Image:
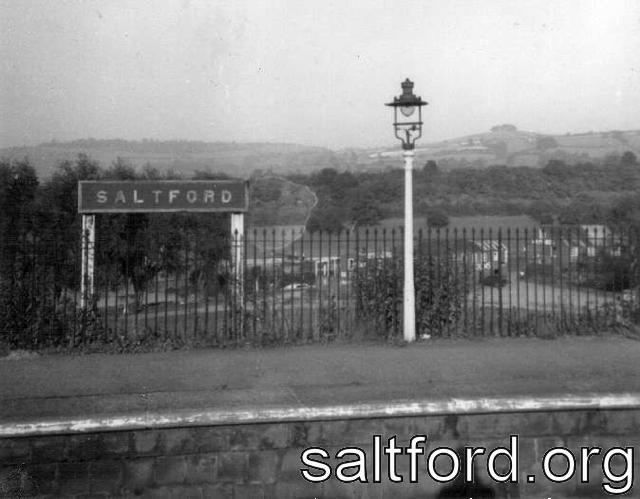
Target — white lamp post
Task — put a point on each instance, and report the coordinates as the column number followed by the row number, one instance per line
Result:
column 408, row 128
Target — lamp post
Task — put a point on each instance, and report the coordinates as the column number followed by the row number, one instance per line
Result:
column 408, row 128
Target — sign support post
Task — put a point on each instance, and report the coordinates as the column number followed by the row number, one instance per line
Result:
column 88, row 262
column 237, row 266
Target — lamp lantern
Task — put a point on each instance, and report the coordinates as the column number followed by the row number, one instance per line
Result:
column 407, row 126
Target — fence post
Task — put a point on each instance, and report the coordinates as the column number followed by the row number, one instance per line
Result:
column 87, row 266
column 237, row 267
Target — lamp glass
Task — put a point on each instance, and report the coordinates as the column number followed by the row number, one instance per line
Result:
column 407, row 110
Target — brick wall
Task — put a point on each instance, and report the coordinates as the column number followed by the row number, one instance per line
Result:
column 263, row 460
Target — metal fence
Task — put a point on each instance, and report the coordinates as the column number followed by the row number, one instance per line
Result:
column 296, row 286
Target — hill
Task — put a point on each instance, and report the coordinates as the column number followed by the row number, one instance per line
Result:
column 503, row 145
column 506, row 145
column 185, row 157
column 275, row 201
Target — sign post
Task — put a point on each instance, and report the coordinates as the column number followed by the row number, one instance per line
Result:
column 88, row 247
column 163, row 196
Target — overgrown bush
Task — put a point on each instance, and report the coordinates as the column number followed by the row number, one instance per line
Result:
column 439, row 290
column 613, row 272
column 436, row 218
column 31, row 318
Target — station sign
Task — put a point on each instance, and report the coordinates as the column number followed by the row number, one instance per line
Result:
column 162, row 196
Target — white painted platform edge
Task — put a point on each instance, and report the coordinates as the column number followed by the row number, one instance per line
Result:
column 250, row 415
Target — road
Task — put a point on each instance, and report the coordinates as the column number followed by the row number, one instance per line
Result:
column 531, row 295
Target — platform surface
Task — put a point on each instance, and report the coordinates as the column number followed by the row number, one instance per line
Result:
column 64, row 386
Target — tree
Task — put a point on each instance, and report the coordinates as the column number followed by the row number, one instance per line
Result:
column 366, row 211
column 628, row 159
column 625, row 210
column 504, row 128
column 436, row 218
column 557, row 168
column 430, row 168
column 57, row 216
column 265, row 190
column 329, row 219
column 18, row 185
column 546, row 142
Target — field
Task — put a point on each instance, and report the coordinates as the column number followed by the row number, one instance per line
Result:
column 520, row 148
column 513, row 148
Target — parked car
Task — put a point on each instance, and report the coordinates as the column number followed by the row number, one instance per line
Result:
column 494, row 280
column 296, row 286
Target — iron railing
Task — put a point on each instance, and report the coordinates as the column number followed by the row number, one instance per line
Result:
column 313, row 287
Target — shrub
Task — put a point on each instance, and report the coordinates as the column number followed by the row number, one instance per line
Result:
column 613, row 273
column 436, row 218
column 31, row 318
column 439, row 291
column 494, row 280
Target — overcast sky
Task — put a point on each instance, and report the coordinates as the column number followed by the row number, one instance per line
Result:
column 313, row 72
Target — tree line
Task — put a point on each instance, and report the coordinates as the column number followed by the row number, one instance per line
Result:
column 604, row 191
column 41, row 239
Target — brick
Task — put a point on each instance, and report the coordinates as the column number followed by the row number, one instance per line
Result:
column 43, row 478
column 178, row 441
column 92, row 496
column 48, row 449
column 115, row 443
column 210, row 439
column 249, row 491
column 83, row 447
column 233, row 467
column 616, row 422
column 544, row 444
column 605, row 442
column 269, row 491
column 73, row 478
column 264, row 466
column 218, row 490
column 501, row 425
column 187, row 492
column 405, row 428
column 307, row 434
column 146, row 442
column 290, row 465
column 105, row 476
column 15, row 481
column 360, row 432
column 570, row 423
column 138, row 475
column 262, row 436
column 14, row 450
column 545, row 488
column 299, row 489
column 334, row 432
column 201, row 468
column 159, row 493
column 536, row 424
column 335, row 489
column 170, row 470
column 591, row 489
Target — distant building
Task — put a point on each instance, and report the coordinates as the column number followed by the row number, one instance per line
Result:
column 486, row 254
column 570, row 243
